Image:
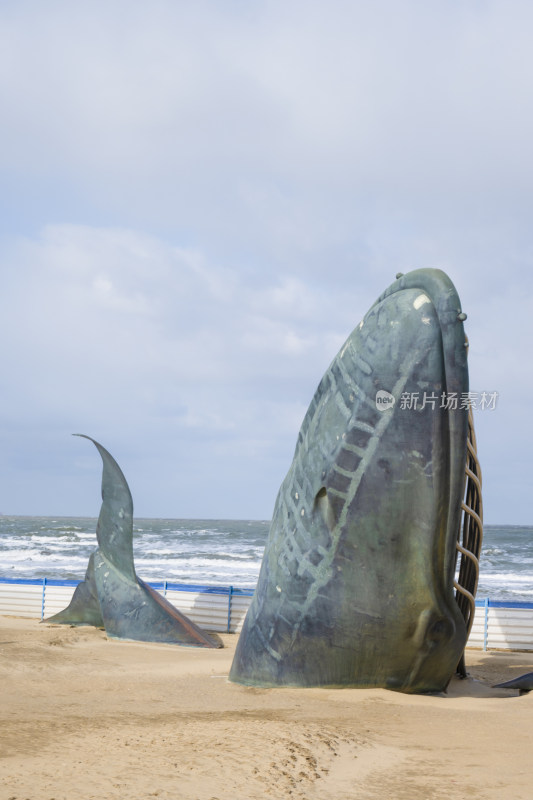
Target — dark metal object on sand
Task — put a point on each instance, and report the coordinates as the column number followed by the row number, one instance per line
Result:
column 524, row 684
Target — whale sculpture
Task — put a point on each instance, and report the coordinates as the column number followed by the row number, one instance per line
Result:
column 111, row 595
column 356, row 586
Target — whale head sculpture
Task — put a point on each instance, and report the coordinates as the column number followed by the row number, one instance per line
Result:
column 357, row 581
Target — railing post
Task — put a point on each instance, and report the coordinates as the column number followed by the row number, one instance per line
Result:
column 486, row 625
column 230, row 595
column 43, row 599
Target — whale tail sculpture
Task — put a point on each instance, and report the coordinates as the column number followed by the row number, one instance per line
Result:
column 357, row 585
column 111, row 595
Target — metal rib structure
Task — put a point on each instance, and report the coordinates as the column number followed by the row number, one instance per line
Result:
column 471, row 531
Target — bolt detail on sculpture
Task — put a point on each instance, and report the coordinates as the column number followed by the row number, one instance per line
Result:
column 112, row 595
column 357, row 584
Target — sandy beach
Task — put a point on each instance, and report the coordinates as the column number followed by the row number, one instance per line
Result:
column 85, row 717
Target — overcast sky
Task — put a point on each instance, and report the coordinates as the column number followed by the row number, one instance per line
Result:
column 199, row 202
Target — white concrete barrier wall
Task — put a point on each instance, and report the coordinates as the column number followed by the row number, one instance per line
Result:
column 477, row 634
column 56, row 599
column 496, row 626
column 510, row 628
column 21, row 600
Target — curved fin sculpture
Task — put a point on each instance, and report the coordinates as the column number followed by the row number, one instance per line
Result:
column 357, row 581
column 111, row 595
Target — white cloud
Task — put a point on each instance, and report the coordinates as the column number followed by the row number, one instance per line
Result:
column 129, row 338
column 170, row 103
column 201, row 200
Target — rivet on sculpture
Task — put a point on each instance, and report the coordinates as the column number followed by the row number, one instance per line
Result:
column 111, row 595
column 359, row 584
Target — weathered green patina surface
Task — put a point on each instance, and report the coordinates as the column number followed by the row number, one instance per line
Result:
column 111, row 595
column 356, row 584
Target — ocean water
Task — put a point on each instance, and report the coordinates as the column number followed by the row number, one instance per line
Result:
column 218, row 552
column 214, row 552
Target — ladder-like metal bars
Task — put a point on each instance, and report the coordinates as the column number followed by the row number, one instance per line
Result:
column 470, row 534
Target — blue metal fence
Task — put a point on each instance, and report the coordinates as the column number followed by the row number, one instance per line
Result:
column 498, row 624
column 231, row 592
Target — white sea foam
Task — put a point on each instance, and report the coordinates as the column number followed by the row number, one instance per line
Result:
column 507, row 578
column 217, row 552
